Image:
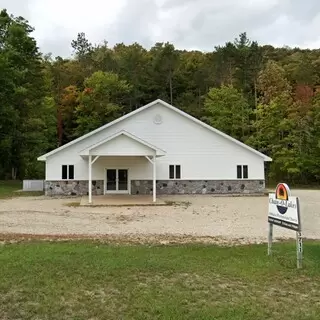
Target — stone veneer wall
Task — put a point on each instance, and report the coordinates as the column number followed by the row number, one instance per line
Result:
column 199, row 186
column 75, row 187
column 72, row 187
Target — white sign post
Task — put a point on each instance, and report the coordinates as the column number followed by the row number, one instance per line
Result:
column 284, row 211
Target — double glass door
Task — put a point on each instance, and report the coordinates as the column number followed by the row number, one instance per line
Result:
column 117, row 181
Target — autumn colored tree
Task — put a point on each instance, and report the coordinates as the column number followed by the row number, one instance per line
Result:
column 68, row 106
column 272, row 124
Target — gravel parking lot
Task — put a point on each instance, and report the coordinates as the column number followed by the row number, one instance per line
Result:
column 207, row 218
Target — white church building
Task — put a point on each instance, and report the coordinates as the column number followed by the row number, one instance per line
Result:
column 156, row 149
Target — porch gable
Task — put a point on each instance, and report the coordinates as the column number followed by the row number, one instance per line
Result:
column 122, row 144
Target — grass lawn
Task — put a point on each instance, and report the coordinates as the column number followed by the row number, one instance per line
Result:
column 9, row 189
column 92, row 280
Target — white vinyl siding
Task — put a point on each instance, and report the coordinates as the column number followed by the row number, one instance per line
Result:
column 122, row 146
column 202, row 154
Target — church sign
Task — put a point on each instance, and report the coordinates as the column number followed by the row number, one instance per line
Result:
column 284, row 208
column 284, row 211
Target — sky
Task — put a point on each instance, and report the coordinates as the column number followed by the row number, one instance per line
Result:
column 188, row 24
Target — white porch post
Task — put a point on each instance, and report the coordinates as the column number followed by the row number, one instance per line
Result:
column 90, row 179
column 154, row 166
column 154, row 179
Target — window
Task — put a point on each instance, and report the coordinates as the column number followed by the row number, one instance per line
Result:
column 64, row 172
column 71, row 172
column 242, row 172
column 178, row 172
column 68, row 172
column 239, row 172
column 174, row 172
column 245, row 172
column 171, row 172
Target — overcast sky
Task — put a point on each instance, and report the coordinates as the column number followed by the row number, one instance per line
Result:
column 189, row 24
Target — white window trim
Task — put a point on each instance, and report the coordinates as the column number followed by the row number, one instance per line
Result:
column 68, row 172
column 175, row 171
column 242, row 171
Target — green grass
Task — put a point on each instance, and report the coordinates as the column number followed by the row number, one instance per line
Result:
column 92, row 280
column 10, row 189
column 7, row 188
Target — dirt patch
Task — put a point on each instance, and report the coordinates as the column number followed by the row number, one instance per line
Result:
column 151, row 239
column 205, row 219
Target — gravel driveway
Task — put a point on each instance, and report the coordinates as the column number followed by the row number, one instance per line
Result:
column 232, row 219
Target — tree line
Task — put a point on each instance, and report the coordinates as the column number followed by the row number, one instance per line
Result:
column 264, row 96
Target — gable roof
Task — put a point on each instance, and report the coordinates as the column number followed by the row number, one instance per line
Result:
column 159, row 152
column 147, row 106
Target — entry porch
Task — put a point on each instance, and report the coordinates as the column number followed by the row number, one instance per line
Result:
column 115, row 162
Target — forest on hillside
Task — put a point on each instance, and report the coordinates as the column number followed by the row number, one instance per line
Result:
column 264, row 96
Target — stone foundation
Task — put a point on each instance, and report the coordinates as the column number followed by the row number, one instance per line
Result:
column 79, row 188
column 72, row 187
column 199, row 186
